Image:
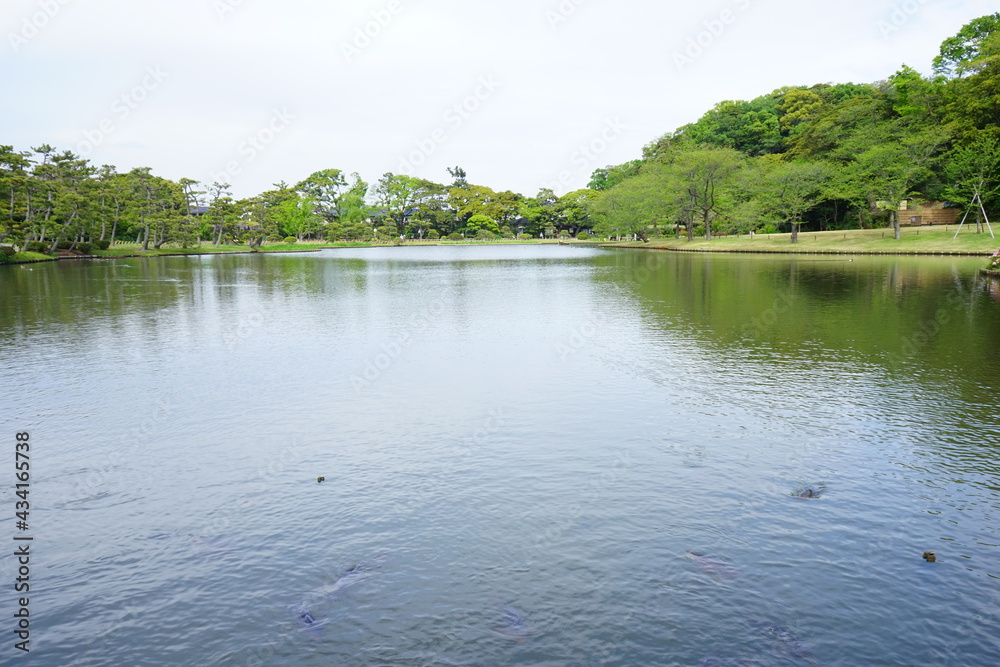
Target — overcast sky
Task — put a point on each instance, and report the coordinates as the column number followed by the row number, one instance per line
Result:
column 522, row 94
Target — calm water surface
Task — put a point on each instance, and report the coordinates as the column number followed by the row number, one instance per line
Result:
column 532, row 456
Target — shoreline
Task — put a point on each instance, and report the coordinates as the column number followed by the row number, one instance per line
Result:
column 671, row 245
column 897, row 253
column 148, row 255
column 914, row 241
column 276, row 251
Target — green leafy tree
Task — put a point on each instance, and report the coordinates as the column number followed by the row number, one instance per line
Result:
column 222, row 213
column 459, row 177
column 431, row 209
column 791, row 189
column 887, row 172
column 606, row 178
column 973, row 172
column 651, row 199
column 297, row 217
column 14, row 180
column 480, row 222
column 967, row 49
column 704, row 175
column 396, row 197
column 537, row 213
column 749, row 127
column 575, row 208
column 481, row 200
column 325, row 189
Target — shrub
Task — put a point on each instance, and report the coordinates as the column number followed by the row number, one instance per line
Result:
column 102, row 244
column 583, row 236
column 7, row 250
column 85, row 248
column 485, row 235
column 290, row 239
column 432, row 234
column 994, row 263
column 64, row 245
column 455, row 236
column 37, row 246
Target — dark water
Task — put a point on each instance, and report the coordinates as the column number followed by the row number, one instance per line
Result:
column 532, row 456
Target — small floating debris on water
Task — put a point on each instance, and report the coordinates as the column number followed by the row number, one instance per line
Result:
column 930, row 556
column 712, row 566
column 320, row 480
column 809, row 492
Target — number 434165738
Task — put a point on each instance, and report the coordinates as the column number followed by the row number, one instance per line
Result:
column 23, row 467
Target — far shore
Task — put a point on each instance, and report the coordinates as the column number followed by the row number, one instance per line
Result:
column 132, row 250
column 914, row 241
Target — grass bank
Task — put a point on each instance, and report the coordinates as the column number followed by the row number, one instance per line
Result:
column 26, row 258
column 915, row 240
column 123, row 250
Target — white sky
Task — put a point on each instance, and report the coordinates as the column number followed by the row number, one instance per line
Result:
column 181, row 85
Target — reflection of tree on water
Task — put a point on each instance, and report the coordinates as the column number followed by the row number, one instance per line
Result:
column 871, row 309
column 903, row 348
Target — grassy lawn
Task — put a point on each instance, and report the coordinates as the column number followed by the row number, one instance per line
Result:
column 125, row 249
column 20, row 257
column 932, row 240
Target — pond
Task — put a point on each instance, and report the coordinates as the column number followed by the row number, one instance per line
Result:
column 539, row 455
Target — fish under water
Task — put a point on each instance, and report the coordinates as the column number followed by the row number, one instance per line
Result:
column 809, row 492
column 787, row 643
column 355, row 574
column 515, row 627
column 712, row 566
column 305, row 618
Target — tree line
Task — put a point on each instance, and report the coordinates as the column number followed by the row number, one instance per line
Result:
column 829, row 156
column 57, row 199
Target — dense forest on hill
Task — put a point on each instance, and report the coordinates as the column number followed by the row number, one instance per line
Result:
column 828, row 156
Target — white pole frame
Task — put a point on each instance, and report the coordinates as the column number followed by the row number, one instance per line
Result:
column 979, row 200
